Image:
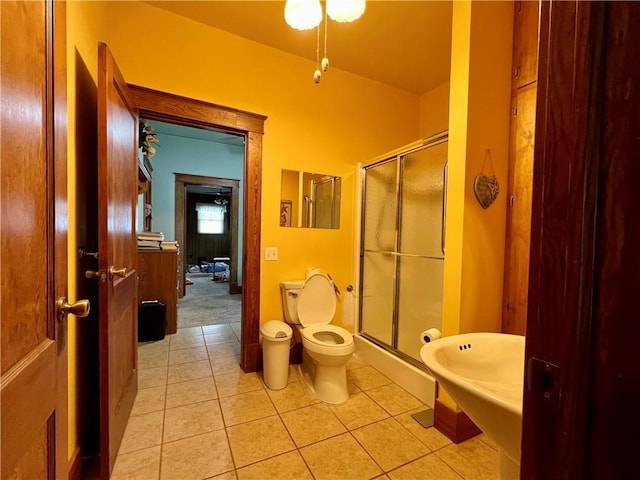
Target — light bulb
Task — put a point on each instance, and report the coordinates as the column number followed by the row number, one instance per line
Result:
column 345, row 10
column 303, row 14
column 317, row 75
column 325, row 64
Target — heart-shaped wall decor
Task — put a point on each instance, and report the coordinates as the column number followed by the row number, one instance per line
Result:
column 486, row 189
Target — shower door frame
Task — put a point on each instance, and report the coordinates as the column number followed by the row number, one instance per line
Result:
column 433, row 141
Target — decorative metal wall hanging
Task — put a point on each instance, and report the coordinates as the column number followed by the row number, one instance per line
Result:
column 486, row 187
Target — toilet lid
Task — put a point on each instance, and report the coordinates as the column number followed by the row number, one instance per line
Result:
column 316, row 301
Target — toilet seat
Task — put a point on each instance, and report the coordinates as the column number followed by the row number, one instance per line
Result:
column 316, row 301
column 338, row 341
column 316, row 307
column 343, row 336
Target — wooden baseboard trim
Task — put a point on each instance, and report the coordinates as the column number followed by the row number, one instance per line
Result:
column 251, row 358
column 454, row 424
column 75, row 466
column 295, row 354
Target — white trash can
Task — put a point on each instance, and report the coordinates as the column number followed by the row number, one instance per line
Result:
column 276, row 342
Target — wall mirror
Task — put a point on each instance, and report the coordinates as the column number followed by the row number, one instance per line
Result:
column 309, row 200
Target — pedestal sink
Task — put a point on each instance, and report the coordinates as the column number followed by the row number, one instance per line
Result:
column 484, row 374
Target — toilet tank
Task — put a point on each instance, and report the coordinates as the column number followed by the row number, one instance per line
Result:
column 289, row 295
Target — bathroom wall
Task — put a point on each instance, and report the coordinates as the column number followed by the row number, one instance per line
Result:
column 434, row 111
column 323, row 128
column 479, row 120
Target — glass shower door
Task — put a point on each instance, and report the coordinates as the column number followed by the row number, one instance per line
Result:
column 402, row 248
column 421, row 246
column 378, row 261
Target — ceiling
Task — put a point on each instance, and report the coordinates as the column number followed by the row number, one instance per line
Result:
column 405, row 44
column 164, row 128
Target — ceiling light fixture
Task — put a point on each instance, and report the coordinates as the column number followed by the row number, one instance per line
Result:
column 303, row 14
column 345, row 11
column 307, row 14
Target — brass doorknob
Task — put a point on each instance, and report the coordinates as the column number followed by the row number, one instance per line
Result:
column 120, row 272
column 80, row 309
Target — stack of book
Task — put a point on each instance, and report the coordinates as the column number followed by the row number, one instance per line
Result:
column 150, row 240
column 169, row 245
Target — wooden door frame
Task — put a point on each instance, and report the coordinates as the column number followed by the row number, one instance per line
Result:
column 183, row 180
column 61, row 228
column 167, row 107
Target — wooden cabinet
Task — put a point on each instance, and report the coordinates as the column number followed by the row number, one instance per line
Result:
column 158, row 273
column 516, row 282
column 525, row 43
column 519, row 188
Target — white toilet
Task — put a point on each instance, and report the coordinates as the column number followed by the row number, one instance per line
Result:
column 309, row 306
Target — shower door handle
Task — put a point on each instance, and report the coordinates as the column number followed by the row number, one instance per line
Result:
column 443, row 230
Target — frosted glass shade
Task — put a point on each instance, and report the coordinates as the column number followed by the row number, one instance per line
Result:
column 345, row 10
column 303, row 14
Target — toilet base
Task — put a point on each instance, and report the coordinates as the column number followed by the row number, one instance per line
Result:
column 328, row 383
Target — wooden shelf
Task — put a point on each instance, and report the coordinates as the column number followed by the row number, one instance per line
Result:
column 144, row 174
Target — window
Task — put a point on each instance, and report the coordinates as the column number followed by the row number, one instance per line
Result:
column 210, row 217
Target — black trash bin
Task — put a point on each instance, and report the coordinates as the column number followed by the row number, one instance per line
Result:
column 152, row 320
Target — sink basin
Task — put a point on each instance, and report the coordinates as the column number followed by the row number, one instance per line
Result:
column 484, row 374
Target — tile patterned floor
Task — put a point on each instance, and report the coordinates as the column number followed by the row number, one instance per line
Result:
column 198, row 416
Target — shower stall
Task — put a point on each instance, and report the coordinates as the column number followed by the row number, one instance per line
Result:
column 403, row 222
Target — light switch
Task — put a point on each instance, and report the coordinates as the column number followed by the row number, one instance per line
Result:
column 271, row 254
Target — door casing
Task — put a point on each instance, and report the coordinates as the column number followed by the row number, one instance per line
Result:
column 182, row 180
column 166, row 107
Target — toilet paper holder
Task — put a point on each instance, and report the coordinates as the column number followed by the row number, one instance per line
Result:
column 430, row 335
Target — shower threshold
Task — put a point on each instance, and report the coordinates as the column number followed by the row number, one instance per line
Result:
column 414, row 380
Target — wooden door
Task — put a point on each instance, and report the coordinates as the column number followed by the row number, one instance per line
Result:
column 580, row 418
column 117, row 197
column 33, row 256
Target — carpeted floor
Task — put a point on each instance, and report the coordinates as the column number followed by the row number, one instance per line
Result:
column 207, row 303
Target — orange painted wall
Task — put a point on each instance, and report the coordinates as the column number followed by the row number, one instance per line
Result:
column 434, row 111
column 479, row 120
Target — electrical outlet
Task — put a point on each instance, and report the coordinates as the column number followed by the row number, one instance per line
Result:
column 271, row 254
